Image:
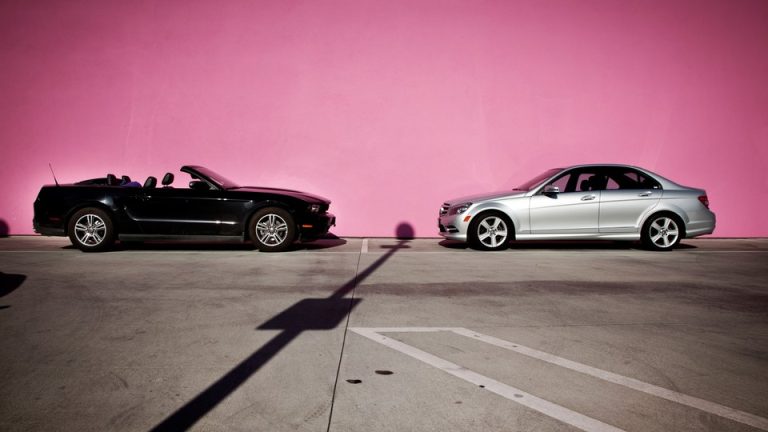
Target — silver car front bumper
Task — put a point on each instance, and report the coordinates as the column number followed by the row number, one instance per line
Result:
column 453, row 227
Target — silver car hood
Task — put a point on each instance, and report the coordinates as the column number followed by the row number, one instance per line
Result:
column 486, row 197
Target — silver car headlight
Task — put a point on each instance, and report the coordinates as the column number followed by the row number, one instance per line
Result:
column 462, row 208
column 314, row 208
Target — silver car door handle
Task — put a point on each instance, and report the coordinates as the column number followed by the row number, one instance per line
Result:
column 645, row 194
column 588, row 197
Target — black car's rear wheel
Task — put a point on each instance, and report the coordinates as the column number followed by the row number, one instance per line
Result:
column 91, row 230
column 272, row 229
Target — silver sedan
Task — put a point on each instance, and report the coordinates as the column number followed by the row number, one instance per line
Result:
column 589, row 202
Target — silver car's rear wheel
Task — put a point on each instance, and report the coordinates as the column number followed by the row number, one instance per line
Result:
column 489, row 232
column 662, row 232
column 272, row 229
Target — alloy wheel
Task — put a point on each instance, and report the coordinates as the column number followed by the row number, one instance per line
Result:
column 90, row 229
column 271, row 229
column 663, row 232
column 492, row 232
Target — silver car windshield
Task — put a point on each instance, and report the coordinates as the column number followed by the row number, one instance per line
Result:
column 536, row 181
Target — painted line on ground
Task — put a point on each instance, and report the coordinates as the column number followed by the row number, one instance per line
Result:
column 670, row 395
column 514, row 394
column 683, row 399
column 364, row 246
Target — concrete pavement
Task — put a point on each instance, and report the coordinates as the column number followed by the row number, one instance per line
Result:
column 221, row 337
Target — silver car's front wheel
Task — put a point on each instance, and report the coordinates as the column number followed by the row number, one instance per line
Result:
column 489, row 232
column 662, row 232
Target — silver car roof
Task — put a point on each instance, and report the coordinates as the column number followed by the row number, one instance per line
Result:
column 665, row 182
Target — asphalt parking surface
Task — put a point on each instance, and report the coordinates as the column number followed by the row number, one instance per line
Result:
column 384, row 335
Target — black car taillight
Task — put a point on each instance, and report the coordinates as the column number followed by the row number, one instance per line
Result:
column 704, row 200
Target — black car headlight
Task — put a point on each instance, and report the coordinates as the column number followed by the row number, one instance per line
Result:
column 314, row 208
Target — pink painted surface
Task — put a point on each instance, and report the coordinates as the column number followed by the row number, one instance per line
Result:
column 387, row 107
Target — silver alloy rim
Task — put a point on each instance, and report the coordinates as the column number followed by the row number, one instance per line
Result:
column 90, row 230
column 663, row 232
column 492, row 231
column 271, row 230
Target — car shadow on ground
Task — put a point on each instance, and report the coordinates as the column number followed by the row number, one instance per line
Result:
column 564, row 245
column 227, row 246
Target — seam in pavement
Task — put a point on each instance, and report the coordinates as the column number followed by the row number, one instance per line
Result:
column 344, row 341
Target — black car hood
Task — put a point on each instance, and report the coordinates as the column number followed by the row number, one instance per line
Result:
column 304, row 196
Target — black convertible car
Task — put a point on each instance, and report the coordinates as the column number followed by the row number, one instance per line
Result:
column 95, row 212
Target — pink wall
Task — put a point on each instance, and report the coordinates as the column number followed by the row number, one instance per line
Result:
column 386, row 107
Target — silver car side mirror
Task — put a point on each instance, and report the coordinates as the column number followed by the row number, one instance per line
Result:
column 551, row 189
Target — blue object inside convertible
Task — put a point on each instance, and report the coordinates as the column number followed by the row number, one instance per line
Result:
column 125, row 181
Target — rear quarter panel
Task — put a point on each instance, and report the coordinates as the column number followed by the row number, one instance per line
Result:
column 685, row 203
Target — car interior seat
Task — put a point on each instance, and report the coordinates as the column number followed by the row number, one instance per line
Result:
column 150, row 183
column 167, row 179
column 112, row 180
column 597, row 182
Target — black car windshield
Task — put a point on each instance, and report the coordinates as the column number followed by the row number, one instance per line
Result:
column 536, row 181
column 217, row 178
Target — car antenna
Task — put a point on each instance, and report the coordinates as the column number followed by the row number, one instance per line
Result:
column 52, row 173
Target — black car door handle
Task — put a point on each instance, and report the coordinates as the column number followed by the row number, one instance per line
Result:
column 145, row 197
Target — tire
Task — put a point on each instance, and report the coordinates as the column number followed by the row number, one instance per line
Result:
column 272, row 229
column 490, row 231
column 91, row 230
column 662, row 232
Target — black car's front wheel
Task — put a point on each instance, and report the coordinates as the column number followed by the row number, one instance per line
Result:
column 91, row 230
column 272, row 229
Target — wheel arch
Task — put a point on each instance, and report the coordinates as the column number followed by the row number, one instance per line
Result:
column 262, row 205
column 511, row 217
column 494, row 210
column 95, row 204
column 665, row 212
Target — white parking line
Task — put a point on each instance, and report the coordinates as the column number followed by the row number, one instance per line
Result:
column 364, row 246
column 693, row 402
column 514, row 394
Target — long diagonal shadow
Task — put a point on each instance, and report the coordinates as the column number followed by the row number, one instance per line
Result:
column 307, row 314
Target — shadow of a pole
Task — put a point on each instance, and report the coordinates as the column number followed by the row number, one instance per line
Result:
column 307, row 314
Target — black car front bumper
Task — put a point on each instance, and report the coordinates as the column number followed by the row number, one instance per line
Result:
column 316, row 225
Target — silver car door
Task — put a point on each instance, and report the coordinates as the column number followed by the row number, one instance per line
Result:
column 572, row 210
column 628, row 196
